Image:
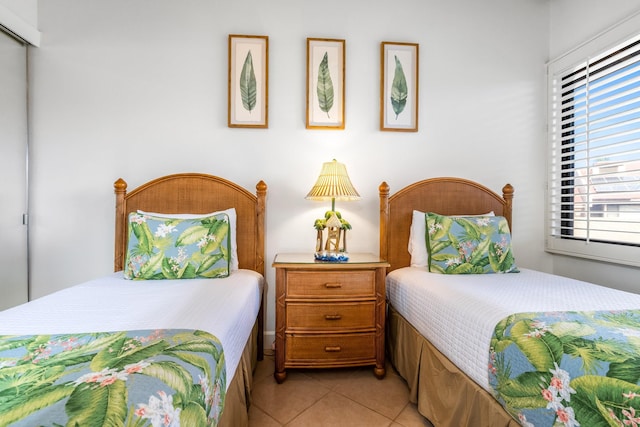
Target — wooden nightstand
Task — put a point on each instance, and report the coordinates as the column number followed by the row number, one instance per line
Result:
column 329, row 314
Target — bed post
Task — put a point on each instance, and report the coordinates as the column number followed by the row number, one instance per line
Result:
column 384, row 219
column 261, row 193
column 507, row 195
column 120, row 188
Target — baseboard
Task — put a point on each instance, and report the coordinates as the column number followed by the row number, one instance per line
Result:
column 269, row 340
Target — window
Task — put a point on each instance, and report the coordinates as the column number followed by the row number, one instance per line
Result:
column 594, row 164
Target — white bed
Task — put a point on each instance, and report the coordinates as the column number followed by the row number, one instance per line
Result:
column 225, row 307
column 224, row 315
column 550, row 348
column 458, row 313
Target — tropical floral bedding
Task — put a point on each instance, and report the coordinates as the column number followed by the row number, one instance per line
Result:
column 140, row 378
column 568, row 368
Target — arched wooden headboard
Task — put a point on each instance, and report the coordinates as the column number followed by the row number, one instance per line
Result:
column 446, row 196
column 196, row 193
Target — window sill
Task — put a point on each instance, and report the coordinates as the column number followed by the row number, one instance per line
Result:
column 615, row 254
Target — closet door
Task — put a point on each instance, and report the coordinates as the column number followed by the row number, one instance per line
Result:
column 13, row 170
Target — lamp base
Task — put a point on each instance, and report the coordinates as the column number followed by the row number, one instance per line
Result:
column 330, row 256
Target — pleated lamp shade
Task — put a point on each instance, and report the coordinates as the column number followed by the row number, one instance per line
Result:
column 333, row 184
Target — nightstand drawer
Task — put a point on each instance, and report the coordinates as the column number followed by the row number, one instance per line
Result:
column 306, row 316
column 330, row 347
column 330, row 284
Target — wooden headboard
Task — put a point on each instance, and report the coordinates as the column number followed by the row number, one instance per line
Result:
column 446, row 196
column 196, row 193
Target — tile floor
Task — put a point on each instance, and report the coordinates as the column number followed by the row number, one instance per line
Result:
column 332, row 397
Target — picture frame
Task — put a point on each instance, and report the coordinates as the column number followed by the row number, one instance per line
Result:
column 248, row 85
column 325, row 83
column 399, row 86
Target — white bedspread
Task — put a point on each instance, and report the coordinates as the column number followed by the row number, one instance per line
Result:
column 225, row 307
column 458, row 313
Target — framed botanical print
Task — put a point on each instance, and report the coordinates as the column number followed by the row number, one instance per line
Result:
column 399, row 87
column 325, row 83
column 248, row 97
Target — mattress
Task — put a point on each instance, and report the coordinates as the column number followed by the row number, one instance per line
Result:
column 458, row 313
column 225, row 307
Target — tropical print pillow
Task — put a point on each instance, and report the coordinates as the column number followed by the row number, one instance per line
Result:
column 469, row 245
column 175, row 248
column 232, row 223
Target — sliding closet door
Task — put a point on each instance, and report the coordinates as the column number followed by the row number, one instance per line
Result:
column 13, row 165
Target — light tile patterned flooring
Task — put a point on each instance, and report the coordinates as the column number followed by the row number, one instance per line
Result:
column 331, row 397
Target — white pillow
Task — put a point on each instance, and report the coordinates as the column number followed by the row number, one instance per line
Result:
column 231, row 213
column 417, row 242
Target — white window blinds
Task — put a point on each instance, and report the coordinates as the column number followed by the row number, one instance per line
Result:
column 594, row 167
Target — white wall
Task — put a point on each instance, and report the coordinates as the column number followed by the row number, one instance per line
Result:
column 20, row 17
column 27, row 10
column 137, row 89
column 572, row 23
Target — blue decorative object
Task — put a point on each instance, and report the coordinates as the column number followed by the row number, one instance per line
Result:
column 331, row 256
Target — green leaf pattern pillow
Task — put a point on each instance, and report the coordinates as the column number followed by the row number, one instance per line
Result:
column 469, row 245
column 174, row 248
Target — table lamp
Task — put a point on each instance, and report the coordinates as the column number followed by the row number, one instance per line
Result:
column 332, row 184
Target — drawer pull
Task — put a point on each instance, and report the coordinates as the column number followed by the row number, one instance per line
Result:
column 333, row 285
column 332, row 348
column 333, row 316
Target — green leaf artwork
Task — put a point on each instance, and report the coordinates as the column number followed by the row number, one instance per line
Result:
column 399, row 90
column 325, row 86
column 248, row 87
